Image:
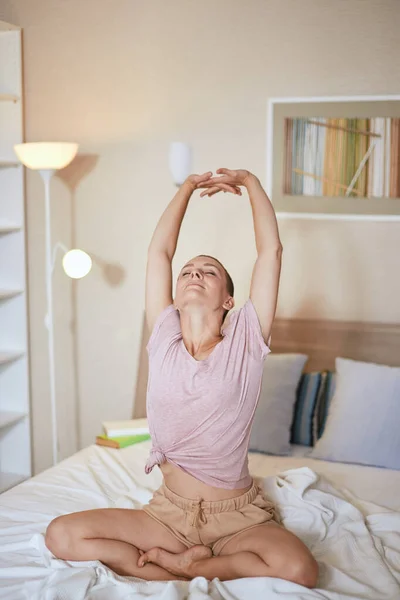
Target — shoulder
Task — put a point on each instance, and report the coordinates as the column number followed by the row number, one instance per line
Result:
column 166, row 327
column 244, row 325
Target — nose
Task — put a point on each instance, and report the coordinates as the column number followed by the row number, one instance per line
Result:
column 195, row 274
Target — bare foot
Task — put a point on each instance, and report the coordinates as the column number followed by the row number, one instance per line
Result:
column 177, row 564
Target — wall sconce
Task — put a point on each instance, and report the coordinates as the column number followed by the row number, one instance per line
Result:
column 180, row 162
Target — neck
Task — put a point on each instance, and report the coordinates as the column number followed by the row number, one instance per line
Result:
column 200, row 330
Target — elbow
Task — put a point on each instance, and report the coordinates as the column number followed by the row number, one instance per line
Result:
column 272, row 252
column 155, row 252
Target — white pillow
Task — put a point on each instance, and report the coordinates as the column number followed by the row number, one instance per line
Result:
column 273, row 418
column 363, row 424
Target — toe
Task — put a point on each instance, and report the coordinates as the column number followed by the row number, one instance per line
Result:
column 142, row 560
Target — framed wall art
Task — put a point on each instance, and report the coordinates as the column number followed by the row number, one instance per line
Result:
column 334, row 156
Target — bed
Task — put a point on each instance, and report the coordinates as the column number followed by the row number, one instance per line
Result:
column 100, row 477
column 348, row 514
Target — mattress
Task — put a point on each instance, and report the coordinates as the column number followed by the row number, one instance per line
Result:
column 361, row 501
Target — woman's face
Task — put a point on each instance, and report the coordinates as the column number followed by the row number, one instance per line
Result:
column 202, row 283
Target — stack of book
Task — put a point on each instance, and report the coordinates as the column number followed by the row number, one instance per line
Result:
column 120, row 434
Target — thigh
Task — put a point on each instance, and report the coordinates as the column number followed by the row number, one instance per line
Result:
column 126, row 525
column 271, row 542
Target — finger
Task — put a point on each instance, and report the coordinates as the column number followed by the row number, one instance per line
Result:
column 224, row 172
column 142, row 560
column 226, row 186
column 215, row 183
column 202, row 178
column 209, row 191
column 234, row 189
column 222, row 179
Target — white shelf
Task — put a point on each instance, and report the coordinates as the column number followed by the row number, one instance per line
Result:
column 9, row 98
column 8, row 418
column 8, row 357
column 9, row 480
column 7, row 294
column 15, row 422
column 6, row 227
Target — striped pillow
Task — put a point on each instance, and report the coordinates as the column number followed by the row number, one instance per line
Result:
column 327, row 390
column 307, row 396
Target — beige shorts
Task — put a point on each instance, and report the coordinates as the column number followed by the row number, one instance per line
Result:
column 211, row 523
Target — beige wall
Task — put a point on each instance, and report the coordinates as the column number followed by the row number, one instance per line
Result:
column 126, row 77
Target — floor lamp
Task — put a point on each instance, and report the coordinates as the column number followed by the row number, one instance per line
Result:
column 47, row 158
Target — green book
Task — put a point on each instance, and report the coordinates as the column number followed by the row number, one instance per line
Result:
column 121, row 441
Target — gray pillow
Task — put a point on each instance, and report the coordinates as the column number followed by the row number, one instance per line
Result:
column 273, row 418
column 363, row 421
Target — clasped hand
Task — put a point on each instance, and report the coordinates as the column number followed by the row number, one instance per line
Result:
column 227, row 181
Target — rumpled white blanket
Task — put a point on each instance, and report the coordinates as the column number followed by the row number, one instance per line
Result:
column 356, row 543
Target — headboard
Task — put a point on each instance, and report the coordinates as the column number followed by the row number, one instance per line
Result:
column 322, row 340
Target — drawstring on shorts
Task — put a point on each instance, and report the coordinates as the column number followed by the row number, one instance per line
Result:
column 199, row 514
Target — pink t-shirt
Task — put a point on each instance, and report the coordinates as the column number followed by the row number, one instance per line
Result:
column 200, row 412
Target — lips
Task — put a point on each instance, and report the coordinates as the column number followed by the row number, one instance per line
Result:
column 196, row 284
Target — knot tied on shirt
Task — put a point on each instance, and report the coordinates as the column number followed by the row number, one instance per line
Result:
column 156, row 457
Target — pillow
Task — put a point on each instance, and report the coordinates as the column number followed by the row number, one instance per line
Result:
column 302, row 431
column 324, row 399
column 364, row 416
column 271, row 426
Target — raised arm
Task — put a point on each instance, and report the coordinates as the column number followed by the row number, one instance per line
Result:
column 163, row 245
column 266, row 272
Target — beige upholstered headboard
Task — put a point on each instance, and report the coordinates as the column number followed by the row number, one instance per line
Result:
column 323, row 341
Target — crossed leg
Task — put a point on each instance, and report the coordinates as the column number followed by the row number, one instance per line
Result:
column 262, row 551
column 116, row 537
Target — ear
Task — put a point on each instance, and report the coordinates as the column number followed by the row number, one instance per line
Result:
column 229, row 303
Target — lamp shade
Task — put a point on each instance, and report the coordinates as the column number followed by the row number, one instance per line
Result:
column 180, row 161
column 76, row 263
column 46, row 155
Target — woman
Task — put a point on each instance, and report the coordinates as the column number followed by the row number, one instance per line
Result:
column 209, row 518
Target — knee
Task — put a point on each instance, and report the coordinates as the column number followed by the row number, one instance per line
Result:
column 58, row 538
column 303, row 570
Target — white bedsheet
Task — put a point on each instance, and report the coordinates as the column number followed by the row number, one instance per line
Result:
column 356, row 542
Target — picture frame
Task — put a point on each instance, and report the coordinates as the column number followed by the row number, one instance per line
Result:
column 280, row 112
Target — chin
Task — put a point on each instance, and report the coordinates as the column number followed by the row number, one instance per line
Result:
column 190, row 300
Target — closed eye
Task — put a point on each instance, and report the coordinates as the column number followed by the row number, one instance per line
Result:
column 210, row 273
column 185, row 273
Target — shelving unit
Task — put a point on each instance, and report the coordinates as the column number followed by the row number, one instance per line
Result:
column 15, row 443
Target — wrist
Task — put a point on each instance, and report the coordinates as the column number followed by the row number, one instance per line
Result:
column 250, row 179
column 188, row 186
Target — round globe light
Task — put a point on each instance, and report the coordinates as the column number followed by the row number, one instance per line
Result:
column 76, row 263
